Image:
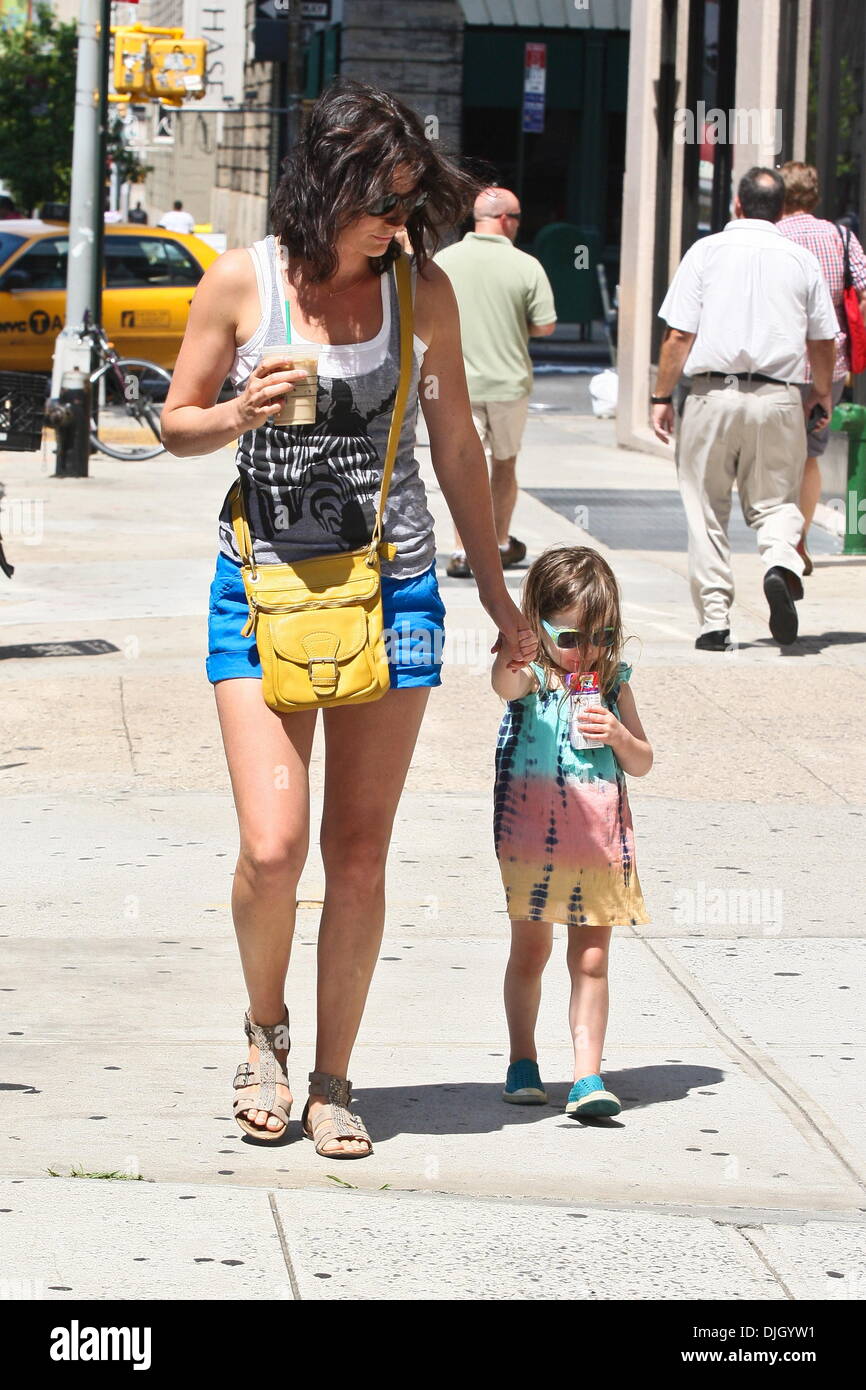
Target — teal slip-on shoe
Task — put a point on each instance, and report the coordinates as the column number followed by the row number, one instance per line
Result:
column 523, row 1084
column 588, row 1097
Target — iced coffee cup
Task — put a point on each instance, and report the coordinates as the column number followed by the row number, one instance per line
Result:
column 299, row 406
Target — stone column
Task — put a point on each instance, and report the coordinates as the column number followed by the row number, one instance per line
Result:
column 638, row 219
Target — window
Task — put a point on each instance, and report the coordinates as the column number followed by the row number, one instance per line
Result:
column 135, row 262
column 8, row 244
column 45, row 264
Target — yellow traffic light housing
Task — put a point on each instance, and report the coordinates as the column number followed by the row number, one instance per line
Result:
column 130, row 63
column 177, row 68
column 169, row 68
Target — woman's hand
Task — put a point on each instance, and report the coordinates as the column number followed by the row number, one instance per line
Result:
column 264, row 393
column 516, row 638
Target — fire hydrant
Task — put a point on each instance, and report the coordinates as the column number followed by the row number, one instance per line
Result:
column 70, row 417
column 851, row 420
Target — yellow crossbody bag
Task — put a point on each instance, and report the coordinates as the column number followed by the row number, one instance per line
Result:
column 318, row 623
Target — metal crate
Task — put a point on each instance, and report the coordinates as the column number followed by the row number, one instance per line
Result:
column 22, row 409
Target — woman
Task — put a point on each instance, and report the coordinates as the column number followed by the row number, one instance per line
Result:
column 362, row 171
column 827, row 243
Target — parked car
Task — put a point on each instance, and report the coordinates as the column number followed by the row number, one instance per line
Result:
column 150, row 276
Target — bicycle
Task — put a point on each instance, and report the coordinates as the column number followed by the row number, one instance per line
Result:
column 130, row 393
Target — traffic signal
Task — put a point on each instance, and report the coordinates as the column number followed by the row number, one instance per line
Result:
column 177, row 68
column 130, row 63
column 168, row 68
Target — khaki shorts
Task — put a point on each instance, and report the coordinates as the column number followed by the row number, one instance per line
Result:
column 500, row 425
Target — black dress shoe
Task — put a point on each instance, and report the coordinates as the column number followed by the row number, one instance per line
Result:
column 781, row 588
column 717, row 641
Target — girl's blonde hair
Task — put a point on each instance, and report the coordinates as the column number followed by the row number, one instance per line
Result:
column 575, row 577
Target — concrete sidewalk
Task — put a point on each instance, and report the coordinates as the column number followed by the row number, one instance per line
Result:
column 735, row 1041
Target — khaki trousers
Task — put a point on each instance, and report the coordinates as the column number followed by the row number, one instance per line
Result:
column 752, row 433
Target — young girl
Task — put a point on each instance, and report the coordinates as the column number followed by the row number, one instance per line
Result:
column 562, row 824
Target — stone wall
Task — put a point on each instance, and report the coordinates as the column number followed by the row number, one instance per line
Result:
column 185, row 169
column 414, row 50
column 246, row 159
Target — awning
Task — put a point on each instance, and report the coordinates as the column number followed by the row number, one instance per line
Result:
column 549, row 14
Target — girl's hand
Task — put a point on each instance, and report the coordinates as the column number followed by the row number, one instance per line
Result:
column 600, row 724
column 264, row 393
column 516, row 639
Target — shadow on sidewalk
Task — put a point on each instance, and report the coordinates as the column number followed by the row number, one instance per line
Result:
column 808, row 644
column 477, row 1107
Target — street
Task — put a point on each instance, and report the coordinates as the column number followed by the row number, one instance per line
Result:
column 738, row 1166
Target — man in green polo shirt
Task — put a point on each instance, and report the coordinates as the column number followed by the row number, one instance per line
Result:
column 504, row 298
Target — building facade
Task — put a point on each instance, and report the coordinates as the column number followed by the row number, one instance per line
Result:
column 649, row 114
column 715, row 86
column 460, row 64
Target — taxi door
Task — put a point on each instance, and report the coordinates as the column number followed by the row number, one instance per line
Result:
column 149, row 284
column 32, row 305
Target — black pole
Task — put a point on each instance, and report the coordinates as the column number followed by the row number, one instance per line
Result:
column 99, row 199
column 827, row 126
column 104, row 52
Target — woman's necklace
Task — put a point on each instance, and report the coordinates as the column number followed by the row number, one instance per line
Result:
column 332, row 294
column 346, row 288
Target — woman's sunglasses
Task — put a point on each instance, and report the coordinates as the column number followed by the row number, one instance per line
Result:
column 387, row 203
column 570, row 637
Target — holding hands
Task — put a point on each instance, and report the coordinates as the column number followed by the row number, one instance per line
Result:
column 516, row 637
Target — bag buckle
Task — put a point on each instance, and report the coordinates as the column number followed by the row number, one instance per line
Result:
column 327, row 661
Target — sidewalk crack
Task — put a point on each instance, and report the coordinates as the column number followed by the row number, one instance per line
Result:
column 713, row 1011
column 126, row 729
column 284, row 1246
column 741, row 1231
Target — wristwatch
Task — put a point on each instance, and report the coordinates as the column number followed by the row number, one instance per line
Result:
column 661, row 400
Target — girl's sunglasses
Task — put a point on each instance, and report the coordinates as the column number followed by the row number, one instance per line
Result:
column 570, row 637
column 389, row 201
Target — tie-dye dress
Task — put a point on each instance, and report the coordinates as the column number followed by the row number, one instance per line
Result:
column 562, row 826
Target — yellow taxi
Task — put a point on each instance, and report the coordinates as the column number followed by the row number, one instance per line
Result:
column 150, row 277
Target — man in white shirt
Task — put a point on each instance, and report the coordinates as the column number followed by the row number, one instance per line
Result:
column 743, row 310
column 177, row 220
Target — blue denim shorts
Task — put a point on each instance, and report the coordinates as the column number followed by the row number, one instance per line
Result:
column 413, row 617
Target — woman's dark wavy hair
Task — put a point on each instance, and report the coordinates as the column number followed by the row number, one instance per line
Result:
column 354, row 140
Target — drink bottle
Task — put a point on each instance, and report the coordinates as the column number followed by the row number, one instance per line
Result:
column 585, row 694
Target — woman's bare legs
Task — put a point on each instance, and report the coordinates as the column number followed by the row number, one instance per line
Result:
column 588, row 950
column 810, row 492
column 368, row 749
column 531, row 944
column 268, row 756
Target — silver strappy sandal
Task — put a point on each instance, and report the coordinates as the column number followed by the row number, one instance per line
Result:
column 340, row 1122
column 266, row 1076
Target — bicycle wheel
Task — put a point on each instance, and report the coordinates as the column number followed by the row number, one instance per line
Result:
column 131, row 396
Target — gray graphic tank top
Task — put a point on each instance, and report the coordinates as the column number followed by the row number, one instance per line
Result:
column 313, row 489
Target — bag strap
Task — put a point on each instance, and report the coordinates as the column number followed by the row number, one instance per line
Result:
column 240, row 524
column 847, row 277
column 404, row 297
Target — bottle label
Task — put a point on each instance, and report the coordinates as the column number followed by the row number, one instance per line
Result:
column 585, row 694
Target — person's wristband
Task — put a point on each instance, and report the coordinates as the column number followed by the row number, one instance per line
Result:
column 661, row 400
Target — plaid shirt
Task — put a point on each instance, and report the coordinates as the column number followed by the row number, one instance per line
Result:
column 824, row 240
